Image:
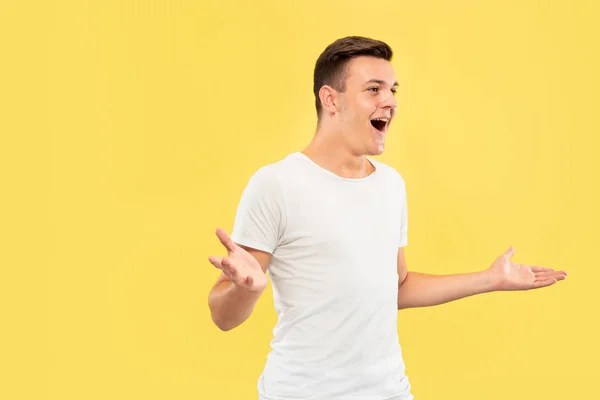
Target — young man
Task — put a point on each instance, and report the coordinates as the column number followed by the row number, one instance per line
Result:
column 329, row 224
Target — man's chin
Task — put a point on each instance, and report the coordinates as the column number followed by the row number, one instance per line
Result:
column 377, row 149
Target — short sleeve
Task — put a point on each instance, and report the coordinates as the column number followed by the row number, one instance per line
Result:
column 259, row 220
column 403, row 215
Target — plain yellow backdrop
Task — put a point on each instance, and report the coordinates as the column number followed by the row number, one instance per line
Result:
column 129, row 129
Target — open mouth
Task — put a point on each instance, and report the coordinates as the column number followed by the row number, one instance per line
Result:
column 379, row 123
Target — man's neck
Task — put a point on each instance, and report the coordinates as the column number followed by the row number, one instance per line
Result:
column 330, row 153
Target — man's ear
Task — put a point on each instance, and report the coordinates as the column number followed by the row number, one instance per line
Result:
column 329, row 98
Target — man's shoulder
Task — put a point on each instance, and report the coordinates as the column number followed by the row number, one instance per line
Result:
column 388, row 170
column 277, row 165
column 274, row 171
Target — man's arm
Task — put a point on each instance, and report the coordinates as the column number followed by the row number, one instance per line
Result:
column 422, row 290
column 241, row 283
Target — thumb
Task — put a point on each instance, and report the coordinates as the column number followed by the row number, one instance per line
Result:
column 510, row 252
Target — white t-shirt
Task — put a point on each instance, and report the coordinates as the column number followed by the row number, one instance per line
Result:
column 334, row 243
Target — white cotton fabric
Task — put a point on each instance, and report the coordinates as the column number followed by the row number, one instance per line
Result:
column 334, row 243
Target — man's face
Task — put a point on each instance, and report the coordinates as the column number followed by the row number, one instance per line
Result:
column 367, row 104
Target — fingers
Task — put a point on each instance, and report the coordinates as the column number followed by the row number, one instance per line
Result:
column 223, row 264
column 536, row 268
column 216, row 261
column 231, row 270
column 550, row 274
column 544, row 283
column 548, row 277
column 225, row 239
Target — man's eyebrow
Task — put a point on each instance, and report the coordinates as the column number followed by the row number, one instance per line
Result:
column 380, row 82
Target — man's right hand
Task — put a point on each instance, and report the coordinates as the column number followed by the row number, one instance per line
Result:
column 239, row 266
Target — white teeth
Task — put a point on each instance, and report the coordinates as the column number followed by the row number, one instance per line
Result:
column 381, row 119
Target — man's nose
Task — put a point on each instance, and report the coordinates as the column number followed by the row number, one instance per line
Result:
column 389, row 101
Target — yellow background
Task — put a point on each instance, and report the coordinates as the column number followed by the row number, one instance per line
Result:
column 129, row 129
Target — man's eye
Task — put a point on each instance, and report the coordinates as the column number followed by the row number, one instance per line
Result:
column 374, row 89
column 394, row 92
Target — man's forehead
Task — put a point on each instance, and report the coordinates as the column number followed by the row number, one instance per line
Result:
column 363, row 70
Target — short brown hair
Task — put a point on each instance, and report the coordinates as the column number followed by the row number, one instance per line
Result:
column 331, row 64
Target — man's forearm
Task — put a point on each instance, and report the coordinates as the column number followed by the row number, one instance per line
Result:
column 422, row 290
column 231, row 305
